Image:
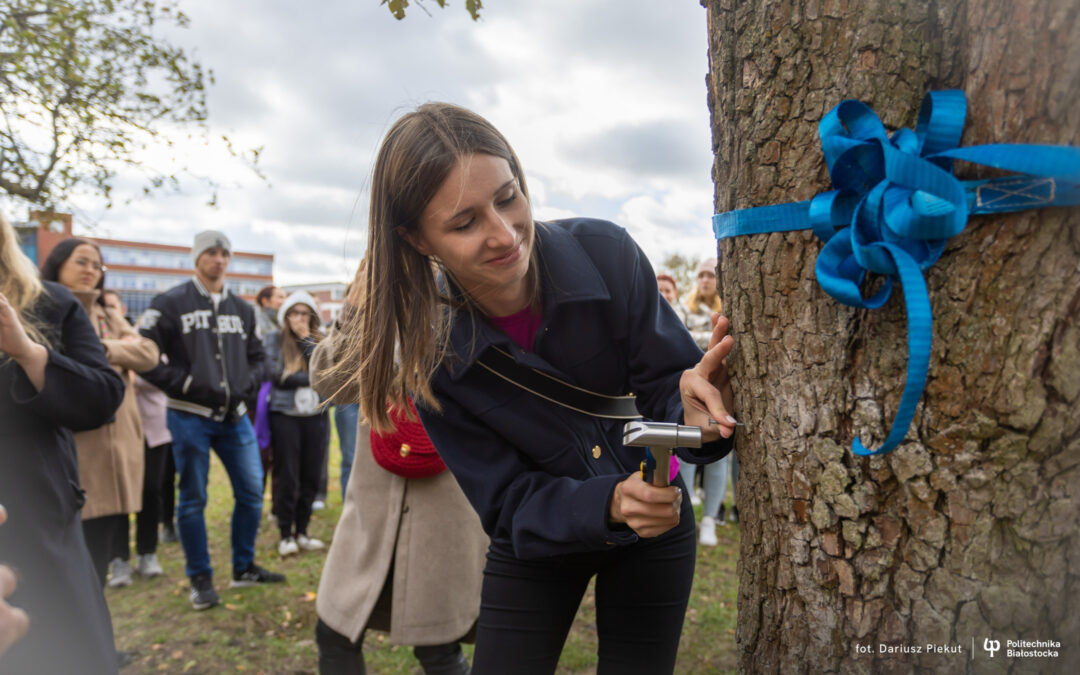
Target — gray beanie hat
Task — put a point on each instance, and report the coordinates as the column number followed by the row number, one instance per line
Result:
column 208, row 239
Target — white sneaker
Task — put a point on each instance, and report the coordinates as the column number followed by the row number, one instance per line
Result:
column 287, row 547
column 148, row 566
column 708, row 532
column 306, row 543
column 318, row 505
column 694, row 499
column 121, row 573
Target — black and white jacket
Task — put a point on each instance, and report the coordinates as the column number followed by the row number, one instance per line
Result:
column 215, row 359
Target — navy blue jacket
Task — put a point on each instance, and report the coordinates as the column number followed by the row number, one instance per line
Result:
column 541, row 476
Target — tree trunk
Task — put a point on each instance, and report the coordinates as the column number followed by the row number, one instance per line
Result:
column 969, row 530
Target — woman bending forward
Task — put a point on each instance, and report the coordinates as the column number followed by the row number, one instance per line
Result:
column 556, row 490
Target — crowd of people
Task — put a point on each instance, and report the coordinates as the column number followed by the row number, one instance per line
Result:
column 700, row 304
column 476, row 508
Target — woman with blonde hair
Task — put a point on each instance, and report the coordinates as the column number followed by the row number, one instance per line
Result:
column 556, row 490
column 702, row 302
column 54, row 379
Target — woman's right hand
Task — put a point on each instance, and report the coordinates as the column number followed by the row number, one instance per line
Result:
column 14, row 341
column 648, row 510
column 299, row 325
column 13, row 338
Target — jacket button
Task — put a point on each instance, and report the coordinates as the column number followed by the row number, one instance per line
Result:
column 405, row 450
column 405, row 509
column 596, row 452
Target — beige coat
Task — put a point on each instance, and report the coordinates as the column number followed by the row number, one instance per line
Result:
column 111, row 457
column 424, row 527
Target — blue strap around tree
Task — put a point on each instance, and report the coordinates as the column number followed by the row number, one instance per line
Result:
column 895, row 204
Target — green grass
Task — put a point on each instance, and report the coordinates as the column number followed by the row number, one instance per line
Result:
column 271, row 629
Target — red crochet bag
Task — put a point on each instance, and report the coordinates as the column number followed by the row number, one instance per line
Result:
column 407, row 451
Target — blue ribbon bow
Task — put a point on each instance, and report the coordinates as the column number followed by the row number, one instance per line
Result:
column 896, row 203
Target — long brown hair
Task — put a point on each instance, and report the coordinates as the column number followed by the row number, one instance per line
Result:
column 19, row 282
column 292, row 358
column 404, row 312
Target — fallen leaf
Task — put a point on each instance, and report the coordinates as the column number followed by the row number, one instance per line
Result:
column 305, row 643
column 309, row 596
column 177, row 655
column 189, row 665
column 229, row 606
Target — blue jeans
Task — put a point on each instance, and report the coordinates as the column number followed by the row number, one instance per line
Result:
column 734, row 471
column 716, row 475
column 345, row 419
column 235, row 445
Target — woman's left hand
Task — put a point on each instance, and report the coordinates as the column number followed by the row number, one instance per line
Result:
column 706, row 388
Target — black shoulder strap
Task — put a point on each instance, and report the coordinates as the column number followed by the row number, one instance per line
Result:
column 557, row 391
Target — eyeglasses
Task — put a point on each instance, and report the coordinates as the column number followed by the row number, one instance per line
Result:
column 93, row 264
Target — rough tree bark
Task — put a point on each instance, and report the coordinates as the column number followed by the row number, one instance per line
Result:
column 969, row 530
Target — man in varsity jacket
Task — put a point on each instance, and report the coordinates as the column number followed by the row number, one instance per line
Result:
column 215, row 362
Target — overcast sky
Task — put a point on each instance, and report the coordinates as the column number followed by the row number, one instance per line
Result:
column 604, row 101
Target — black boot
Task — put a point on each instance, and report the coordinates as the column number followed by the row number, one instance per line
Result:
column 445, row 659
column 337, row 654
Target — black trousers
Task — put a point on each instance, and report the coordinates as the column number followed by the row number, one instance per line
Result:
column 324, row 473
column 168, row 489
column 340, row 656
column 105, row 536
column 642, row 590
column 298, row 455
column 146, row 521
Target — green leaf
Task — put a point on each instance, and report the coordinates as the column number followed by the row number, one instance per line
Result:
column 396, row 7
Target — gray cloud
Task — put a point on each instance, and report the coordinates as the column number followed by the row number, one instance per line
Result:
column 318, row 87
column 659, row 148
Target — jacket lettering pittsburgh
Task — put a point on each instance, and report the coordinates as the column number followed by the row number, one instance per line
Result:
column 215, row 359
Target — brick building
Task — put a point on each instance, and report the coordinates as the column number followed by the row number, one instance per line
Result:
column 141, row 270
